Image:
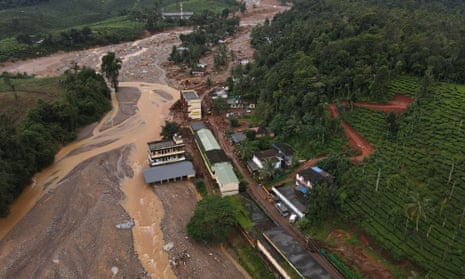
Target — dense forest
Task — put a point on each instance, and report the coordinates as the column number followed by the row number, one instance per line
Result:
column 321, row 51
column 8, row 4
column 409, row 194
column 30, row 146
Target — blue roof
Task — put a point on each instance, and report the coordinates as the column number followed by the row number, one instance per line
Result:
column 317, row 169
column 302, row 189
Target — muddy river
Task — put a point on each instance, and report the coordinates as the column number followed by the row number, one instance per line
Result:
column 148, row 102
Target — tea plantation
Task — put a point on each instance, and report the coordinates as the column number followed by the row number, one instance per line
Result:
column 412, row 189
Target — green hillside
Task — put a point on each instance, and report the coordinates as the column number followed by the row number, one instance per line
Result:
column 55, row 15
column 409, row 196
column 417, row 176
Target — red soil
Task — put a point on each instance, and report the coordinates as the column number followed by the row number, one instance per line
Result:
column 398, row 104
column 358, row 254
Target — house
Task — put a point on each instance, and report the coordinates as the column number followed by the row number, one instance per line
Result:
column 311, row 176
column 244, row 61
column 237, row 137
column 226, row 178
column 166, row 151
column 237, row 103
column 177, row 15
column 260, row 158
column 285, row 151
column 191, row 104
column 261, row 132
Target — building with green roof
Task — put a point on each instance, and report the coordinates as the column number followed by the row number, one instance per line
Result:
column 226, row 178
column 216, row 160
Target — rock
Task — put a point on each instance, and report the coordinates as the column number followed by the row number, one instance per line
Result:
column 125, row 226
column 168, row 246
column 114, row 270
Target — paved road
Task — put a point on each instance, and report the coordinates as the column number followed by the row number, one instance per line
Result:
column 260, row 198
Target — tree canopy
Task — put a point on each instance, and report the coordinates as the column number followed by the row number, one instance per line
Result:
column 214, row 218
column 110, row 68
column 169, row 129
column 31, row 146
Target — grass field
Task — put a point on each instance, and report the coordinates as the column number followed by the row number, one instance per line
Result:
column 27, row 92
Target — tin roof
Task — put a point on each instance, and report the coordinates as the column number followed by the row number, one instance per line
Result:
column 168, row 171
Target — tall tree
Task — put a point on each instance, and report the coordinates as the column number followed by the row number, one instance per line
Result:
column 268, row 171
column 214, row 217
column 169, row 129
column 415, row 209
column 110, row 68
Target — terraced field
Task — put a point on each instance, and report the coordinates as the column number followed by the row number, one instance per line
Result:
column 412, row 189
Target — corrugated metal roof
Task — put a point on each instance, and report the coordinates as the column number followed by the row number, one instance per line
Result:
column 225, row 173
column 197, row 125
column 291, row 249
column 208, row 140
column 169, row 171
column 238, row 137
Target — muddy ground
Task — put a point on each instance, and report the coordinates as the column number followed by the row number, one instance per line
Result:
column 64, row 226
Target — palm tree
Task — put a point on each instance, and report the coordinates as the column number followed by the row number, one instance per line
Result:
column 244, row 150
column 268, row 171
column 415, row 209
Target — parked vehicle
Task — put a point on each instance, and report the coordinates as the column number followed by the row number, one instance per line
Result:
column 283, row 210
column 292, row 218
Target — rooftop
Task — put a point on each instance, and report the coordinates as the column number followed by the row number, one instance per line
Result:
column 161, row 144
column 284, row 148
column 169, row 171
column 238, row 137
column 269, row 154
column 314, row 174
column 197, row 125
column 216, row 156
column 190, row 94
column 225, row 173
column 207, row 139
column 295, row 254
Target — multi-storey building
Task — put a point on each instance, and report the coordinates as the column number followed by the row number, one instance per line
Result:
column 191, row 104
column 166, row 151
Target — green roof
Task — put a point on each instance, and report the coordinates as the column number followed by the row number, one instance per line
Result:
column 207, row 139
column 225, row 173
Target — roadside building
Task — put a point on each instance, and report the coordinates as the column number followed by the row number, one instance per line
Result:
column 191, row 104
column 285, row 151
column 226, row 178
column 238, row 137
column 169, row 172
column 261, row 132
column 166, row 151
column 286, row 194
column 293, row 253
column 215, row 159
column 261, row 157
column 311, row 176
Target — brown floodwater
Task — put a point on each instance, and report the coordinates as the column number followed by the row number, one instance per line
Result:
column 145, row 125
column 141, row 203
